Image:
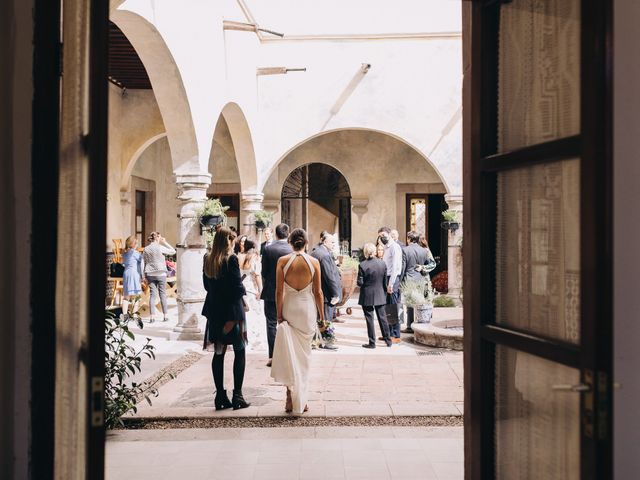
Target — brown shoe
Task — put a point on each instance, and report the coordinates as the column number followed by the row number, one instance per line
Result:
column 396, row 340
column 269, row 363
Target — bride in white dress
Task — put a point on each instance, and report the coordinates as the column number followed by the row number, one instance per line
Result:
column 299, row 302
column 250, row 267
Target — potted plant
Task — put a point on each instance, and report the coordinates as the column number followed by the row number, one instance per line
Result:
column 262, row 219
column 418, row 294
column 211, row 213
column 450, row 220
column 349, row 277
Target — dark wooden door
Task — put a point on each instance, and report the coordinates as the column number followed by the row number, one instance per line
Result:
column 537, row 181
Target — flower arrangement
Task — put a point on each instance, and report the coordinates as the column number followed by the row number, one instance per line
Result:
column 327, row 330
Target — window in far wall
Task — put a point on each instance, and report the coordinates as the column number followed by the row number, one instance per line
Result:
column 417, row 214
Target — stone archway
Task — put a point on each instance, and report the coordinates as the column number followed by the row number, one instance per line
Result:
column 167, row 84
column 317, row 197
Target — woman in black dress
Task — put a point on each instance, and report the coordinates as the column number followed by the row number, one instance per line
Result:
column 224, row 310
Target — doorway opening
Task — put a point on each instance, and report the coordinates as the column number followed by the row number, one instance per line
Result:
column 317, row 197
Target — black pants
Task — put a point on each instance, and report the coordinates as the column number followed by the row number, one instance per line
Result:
column 271, row 314
column 217, row 367
column 329, row 312
column 410, row 314
column 382, row 322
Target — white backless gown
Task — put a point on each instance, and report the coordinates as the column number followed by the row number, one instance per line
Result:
column 292, row 349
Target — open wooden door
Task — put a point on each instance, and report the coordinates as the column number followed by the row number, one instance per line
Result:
column 537, row 182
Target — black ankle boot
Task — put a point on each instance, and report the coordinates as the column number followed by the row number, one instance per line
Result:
column 238, row 400
column 222, row 401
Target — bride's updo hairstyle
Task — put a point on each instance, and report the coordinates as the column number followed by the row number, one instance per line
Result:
column 298, row 239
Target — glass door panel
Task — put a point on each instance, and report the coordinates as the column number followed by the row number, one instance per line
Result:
column 538, row 249
column 537, row 429
column 538, row 72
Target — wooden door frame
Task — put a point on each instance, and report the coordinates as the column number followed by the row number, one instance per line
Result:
column 594, row 147
column 407, row 210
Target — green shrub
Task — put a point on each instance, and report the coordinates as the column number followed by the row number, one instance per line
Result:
column 349, row 263
column 416, row 292
column 122, row 360
column 443, row 301
column 450, row 215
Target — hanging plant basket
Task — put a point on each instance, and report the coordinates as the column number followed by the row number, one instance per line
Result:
column 453, row 226
column 262, row 219
column 211, row 220
column 261, row 224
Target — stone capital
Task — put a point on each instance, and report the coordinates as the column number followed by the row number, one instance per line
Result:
column 251, row 201
column 454, row 202
column 271, row 205
column 359, row 205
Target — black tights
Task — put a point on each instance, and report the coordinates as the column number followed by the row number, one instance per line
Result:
column 217, row 367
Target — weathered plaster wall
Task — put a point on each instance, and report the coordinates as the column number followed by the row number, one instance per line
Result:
column 134, row 119
column 375, row 166
column 413, row 89
column 155, row 164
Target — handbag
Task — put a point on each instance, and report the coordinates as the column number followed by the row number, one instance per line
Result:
column 116, row 270
column 392, row 313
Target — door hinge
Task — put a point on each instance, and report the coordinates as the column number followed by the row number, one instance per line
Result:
column 588, row 406
column 97, row 401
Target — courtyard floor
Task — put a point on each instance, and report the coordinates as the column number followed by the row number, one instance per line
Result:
column 401, row 382
column 406, row 379
column 323, row 453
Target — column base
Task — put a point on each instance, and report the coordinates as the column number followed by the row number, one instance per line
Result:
column 189, row 318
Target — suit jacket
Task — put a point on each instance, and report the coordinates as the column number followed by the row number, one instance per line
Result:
column 414, row 255
column 272, row 254
column 372, row 280
column 263, row 245
column 330, row 279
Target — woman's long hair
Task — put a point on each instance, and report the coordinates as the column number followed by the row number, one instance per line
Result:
column 251, row 253
column 219, row 252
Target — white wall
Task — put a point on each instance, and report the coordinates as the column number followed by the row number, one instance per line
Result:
column 626, row 239
column 413, row 89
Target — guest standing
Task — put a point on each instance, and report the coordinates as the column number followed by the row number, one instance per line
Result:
column 250, row 268
column 238, row 246
column 396, row 238
column 393, row 260
column 132, row 275
column 415, row 255
column 268, row 240
column 331, row 282
column 224, row 310
column 155, row 272
column 372, row 280
column 272, row 253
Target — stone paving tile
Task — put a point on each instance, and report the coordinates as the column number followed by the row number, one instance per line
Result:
column 351, row 381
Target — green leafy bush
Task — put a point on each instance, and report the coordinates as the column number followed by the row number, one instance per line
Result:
column 450, row 215
column 348, row 264
column 416, row 292
column 123, row 360
column 443, row 301
column 263, row 217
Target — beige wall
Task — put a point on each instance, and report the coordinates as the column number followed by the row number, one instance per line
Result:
column 134, row 121
column 155, row 164
column 375, row 165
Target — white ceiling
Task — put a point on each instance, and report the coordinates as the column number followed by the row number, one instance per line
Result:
column 356, row 17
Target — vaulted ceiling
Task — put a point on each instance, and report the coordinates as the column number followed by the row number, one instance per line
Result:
column 125, row 67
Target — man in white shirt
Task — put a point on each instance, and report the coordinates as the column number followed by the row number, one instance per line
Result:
column 393, row 260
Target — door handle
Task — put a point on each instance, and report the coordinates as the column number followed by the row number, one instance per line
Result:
column 565, row 387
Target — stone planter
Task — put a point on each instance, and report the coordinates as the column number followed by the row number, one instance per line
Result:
column 422, row 313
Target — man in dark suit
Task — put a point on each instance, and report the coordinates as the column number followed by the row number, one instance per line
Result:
column 268, row 240
column 414, row 255
column 372, row 280
column 272, row 254
column 331, row 282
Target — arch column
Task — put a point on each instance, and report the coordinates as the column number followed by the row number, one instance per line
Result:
column 191, row 248
column 455, row 249
column 250, row 202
